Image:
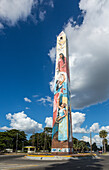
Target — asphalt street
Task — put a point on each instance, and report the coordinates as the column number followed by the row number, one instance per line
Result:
column 21, row 163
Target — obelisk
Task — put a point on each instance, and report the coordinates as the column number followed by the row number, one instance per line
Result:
column 62, row 122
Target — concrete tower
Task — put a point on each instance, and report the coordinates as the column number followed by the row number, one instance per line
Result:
column 62, row 125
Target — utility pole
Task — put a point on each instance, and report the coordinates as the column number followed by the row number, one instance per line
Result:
column 77, row 145
column 33, row 137
column 22, row 146
column 90, row 142
column 45, row 142
column 16, row 142
column 37, row 141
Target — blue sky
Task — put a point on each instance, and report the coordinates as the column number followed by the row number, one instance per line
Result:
column 27, row 51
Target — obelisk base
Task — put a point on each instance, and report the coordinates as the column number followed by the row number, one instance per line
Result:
column 61, row 147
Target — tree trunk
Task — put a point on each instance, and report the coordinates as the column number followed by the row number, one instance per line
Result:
column 104, row 146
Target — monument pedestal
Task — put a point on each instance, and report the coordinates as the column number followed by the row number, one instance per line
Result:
column 61, row 147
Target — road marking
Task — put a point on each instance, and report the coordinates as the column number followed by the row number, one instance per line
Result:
column 18, row 166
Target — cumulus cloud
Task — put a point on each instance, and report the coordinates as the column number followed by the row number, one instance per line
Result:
column 96, row 139
column 15, row 10
column 45, row 100
column 105, row 128
column 52, row 54
column 48, row 121
column 19, row 10
column 94, row 128
column 27, row 100
column 77, row 120
column 22, row 122
column 86, row 139
column 89, row 54
column 5, row 128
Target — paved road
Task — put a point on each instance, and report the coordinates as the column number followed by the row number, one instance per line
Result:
column 20, row 163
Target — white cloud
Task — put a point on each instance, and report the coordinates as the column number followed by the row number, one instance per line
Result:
column 52, row 54
column 48, row 121
column 52, row 83
column 105, row 128
column 9, row 116
column 15, row 10
column 46, row 99
column 12, row 11
column 77, row 121
column 42, row 15
column 96, row 139
column 22, row 122
column 5, row 128
column 86, row 139
column 95, row 128
column 89, row 54
column 27, row 108
column 27, row 100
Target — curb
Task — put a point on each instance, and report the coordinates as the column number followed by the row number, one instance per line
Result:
column 46, row 157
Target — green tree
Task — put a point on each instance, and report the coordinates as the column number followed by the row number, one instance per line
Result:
column 80, row 146
column 75, row 144
column 8, row 139
column 42, row 140
column 94, row 147
column 103, row 134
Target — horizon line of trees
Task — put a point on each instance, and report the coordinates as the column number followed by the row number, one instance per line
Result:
column 16, row 140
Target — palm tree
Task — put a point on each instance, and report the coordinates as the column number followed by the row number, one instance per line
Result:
column 103, row 134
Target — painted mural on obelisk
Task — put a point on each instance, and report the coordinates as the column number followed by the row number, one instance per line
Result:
column 62, row 125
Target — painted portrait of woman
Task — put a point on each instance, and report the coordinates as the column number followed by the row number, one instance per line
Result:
column 60, row 124
column 62, row 131
column 62, row 65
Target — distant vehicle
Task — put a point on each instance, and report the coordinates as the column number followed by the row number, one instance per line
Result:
column 9, row 150
column 87, row 152
column 29, row 149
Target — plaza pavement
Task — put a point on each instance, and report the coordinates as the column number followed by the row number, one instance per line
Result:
column 21, row 163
